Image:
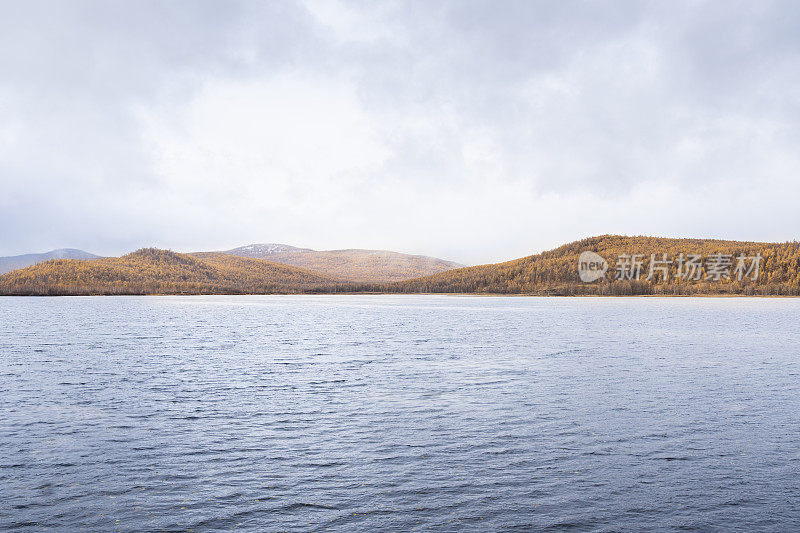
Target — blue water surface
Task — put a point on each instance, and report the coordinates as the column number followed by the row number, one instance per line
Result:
column 399, row 413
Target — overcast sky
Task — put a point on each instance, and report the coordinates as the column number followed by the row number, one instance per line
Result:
column 473, row 131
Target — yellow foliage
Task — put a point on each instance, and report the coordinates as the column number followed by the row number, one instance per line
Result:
column 556, row 271
column 371, row 266
column 153, row 271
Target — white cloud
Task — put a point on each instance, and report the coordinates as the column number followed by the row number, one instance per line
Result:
column 468, row 130
column 278, row 139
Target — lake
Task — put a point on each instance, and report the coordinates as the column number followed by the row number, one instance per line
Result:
column 399, row 413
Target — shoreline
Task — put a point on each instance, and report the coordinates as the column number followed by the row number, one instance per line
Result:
column 453, row 294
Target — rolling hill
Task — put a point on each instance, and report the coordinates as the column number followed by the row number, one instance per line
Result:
column 373, row 266
column 7, row 264
column 153, row 271
column 555, row 272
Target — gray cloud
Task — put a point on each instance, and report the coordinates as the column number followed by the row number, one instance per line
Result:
column 473, row 130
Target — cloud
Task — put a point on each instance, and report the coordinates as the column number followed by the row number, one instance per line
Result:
column 463, row 129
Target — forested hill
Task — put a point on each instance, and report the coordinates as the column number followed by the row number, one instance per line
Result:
column 556, row 271
column 153, row 271
column 630, row 266
column 376, row 266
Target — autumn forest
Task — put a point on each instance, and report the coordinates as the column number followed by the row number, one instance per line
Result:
column 635, row 266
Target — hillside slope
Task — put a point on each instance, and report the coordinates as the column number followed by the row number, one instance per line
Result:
column 556, row 271
column 7, row 264
column 153, row 271
column 374, row 266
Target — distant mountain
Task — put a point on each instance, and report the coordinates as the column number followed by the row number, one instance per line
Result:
column 153, row 271
column 373, row 266
column 555, row 272
column 261, row 251
column 7, row 264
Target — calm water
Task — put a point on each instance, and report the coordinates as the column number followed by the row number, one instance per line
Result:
column 399, row 413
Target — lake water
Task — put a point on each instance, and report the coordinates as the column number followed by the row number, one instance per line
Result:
column 399, row 413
